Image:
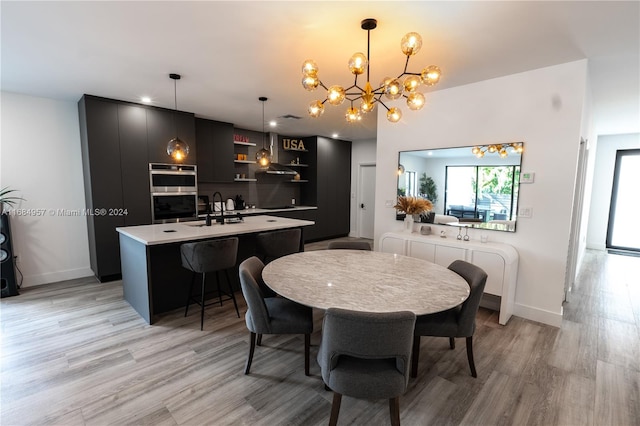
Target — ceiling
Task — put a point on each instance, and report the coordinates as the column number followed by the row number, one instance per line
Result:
column 230, row 53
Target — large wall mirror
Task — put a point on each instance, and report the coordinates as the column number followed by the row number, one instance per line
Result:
column 468, row 186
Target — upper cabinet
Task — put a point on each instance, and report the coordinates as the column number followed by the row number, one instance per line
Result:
column 119, row 140
column 215, row 151
column 164, row 125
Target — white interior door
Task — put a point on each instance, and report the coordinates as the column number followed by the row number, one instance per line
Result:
column 366, row 200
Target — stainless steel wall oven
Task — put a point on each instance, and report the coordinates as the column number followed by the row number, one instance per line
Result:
column 174, row 192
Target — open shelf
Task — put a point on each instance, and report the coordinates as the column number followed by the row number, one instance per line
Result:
column 296, row 165
column 245, row 180
column 244, row 161
column 244, row 143
column 299, row 180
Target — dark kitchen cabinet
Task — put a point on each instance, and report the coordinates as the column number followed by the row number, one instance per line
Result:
column 132, row 125
column 310, row 233
column 119, row 140
column 215, row 151
column 329, row 186
column 334, row 186
column 164, row 125
column 100, row 143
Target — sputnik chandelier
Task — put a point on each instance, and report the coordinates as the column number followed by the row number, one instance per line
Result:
column 392, row 88
column 500, row 148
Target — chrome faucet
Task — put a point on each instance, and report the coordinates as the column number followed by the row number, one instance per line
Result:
column 213, row 201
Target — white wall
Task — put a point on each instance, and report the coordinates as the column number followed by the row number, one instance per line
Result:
column 605, row 160
column 362, row 152
column 544, row 109
column 40, row 156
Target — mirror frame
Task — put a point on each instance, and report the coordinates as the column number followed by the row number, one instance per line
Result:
column 456, row 156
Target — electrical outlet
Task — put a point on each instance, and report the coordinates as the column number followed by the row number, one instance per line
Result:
column 293, row 201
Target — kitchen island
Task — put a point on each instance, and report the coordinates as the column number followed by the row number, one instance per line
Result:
column 153, row 278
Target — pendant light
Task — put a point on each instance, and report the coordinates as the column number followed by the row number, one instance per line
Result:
column 176, row 148
column 369, row 95
column 263, row 156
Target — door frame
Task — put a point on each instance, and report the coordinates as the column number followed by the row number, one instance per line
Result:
column 359, row 199
column 614, row 199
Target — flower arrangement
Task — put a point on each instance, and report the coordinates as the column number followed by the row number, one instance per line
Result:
column 413, row 205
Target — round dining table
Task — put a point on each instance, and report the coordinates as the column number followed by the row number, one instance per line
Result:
column 361, row 280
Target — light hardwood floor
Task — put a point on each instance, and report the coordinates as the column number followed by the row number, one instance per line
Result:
column 75, row 353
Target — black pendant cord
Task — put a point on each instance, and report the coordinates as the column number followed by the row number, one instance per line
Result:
column 175, row 107
column 175, row 77
column 368, row 53
column 263, row 99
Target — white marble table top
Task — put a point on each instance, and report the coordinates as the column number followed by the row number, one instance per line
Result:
column 365, row 281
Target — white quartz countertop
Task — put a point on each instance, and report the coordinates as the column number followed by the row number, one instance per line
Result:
column 245, row 212
column 166, row 233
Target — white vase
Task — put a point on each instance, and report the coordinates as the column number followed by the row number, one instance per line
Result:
column 408, row 223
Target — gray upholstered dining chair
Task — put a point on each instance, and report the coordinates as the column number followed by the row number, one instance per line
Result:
column 274, row 244
column 456, row 322
column 350, row 245
column 271, row 315
column 366, row 355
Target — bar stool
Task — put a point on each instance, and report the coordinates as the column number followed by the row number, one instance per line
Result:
column 210, row 256
column 274, row 244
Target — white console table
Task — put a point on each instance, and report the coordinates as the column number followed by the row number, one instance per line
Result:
column 499, row 261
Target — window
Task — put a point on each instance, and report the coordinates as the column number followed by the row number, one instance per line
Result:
column 485, row 193
column 411, row 184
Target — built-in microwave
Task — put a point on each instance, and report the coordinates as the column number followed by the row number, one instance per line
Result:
column 174, row 192
column 173, row 178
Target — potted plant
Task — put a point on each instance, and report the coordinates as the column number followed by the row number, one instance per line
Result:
column 8, row 200
column 428, row 188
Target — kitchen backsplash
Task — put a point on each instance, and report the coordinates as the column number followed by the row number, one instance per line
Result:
column 269, row 191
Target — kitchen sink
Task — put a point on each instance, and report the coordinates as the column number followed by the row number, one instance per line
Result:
column 279, row 207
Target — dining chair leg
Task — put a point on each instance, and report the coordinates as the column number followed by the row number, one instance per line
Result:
column 193, row 280
column 415, row 356
column 252, row 347
column 452, row 342
column 204, row 279
column 307, row 344
column 233, row 295
column 472, row 365
column 259, row 341
column 335, row 409
column 394, row 411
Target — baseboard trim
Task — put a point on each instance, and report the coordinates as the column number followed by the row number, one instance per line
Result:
column 53, row 277
column 553, row 319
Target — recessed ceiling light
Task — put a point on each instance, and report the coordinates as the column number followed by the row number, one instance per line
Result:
column 146, row 99
column 335, row 135
column 273, row 123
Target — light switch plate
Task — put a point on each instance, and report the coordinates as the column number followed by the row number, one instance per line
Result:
column 527, row 177
column 525, row 212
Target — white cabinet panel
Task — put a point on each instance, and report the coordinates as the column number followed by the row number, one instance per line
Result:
column 499, row 261
column 445, row 255
column 421, row 250
column 392, row 244
column 493, row 265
